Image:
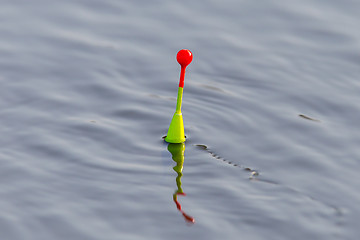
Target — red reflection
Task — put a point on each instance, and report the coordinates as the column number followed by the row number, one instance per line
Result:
column 187, row 217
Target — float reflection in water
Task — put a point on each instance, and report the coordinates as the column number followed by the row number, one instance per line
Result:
column 177, row 151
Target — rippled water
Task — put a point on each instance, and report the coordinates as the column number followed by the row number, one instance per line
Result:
column 88, row 90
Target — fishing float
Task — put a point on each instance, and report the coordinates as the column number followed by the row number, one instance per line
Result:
column 176, row 133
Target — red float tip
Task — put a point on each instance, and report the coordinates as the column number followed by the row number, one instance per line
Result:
column 184, row 57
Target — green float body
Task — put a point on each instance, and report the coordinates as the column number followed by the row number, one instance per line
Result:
column 176, row 130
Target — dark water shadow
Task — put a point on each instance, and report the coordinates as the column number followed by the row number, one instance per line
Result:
column 308, row 118
column 255, row 177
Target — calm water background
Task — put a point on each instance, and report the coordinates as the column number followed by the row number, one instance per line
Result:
column 88, row 89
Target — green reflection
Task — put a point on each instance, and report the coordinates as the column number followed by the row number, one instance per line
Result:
column 177, row 151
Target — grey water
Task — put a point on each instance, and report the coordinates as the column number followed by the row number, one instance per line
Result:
column 271, row 110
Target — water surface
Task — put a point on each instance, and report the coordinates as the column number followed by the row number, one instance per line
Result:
column 88, row 90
